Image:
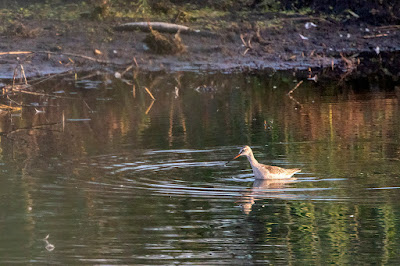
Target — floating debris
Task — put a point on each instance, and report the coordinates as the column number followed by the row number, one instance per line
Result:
column 88, row 84
column 309, row 25
column 50, row 247
column 315, row 78
column 77, row 119
column 205, row 88
column 104, row 99
column 97, row 52
column 303, row 37
column 353, row 13
column 377, row 50
column 39, row 111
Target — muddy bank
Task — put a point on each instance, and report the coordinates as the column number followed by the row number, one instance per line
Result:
column 291, row 42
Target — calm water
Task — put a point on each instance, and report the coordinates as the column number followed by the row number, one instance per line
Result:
column 124, row 180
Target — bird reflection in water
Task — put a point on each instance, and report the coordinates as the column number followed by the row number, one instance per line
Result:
column 262, row 189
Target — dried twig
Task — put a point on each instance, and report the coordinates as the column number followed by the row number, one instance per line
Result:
column 16, row 52
column 388, row 27
column 149, row 108
column 9, row 108
column 36, row 81
column 130, row 67
column 38, row 127
column 350, row 63
column 87, row 105
column 307, row 18
column 136, row 63
column 246, row 44
column 22, row 88
column 23, row 74
column 298, row 104
column 67, row 54
column 375, row 36
column 17, row 103
column 148, row 91
column 127, row 69
column 80, row 56
column 158, row 26
column 63, row 121
column 295, row 87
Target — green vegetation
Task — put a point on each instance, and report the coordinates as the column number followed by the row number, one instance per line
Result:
column 209, row 15
column 61, row 10
column 47, row 10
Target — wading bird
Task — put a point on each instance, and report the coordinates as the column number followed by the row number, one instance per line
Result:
column 262, row 171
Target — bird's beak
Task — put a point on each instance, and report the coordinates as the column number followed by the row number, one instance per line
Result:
column 234, row 158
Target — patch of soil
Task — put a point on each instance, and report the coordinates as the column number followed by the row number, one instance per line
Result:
column 20, row 30
column 240, row 45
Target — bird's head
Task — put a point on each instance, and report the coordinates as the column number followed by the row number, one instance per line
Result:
column 245, row 151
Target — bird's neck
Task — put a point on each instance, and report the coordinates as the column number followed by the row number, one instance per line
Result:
column 252, row 160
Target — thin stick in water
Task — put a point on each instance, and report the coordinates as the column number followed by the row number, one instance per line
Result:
column 63, row 121
column 148, row 91
column 23, row 74
column 149, row 108
column 295, row 87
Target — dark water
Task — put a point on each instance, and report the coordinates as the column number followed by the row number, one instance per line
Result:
column 124, row 180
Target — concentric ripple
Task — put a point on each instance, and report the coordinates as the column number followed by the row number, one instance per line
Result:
column 197, row 174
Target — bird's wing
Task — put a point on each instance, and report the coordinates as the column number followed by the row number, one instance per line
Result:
column 276, row 170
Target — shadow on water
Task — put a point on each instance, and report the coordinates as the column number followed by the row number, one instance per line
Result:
column 98, row 173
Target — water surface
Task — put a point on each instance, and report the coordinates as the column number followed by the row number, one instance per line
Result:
column 115, row 178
